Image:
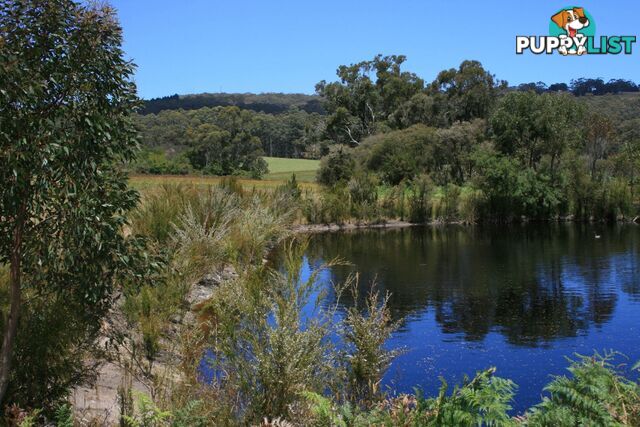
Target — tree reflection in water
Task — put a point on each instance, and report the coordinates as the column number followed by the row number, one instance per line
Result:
column 531, row 283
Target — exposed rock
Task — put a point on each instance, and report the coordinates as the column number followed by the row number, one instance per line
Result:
column 98, row 405
column 203, row 290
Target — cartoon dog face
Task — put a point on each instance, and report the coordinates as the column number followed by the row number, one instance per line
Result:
column 571, row 20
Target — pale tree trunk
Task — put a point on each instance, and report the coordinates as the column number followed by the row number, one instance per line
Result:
column 15, row 299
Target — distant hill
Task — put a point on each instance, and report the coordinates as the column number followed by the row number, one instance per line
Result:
column 273, row 103
column 621, row 107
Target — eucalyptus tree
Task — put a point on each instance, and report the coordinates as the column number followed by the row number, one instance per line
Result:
column 66, row 97
column 466, row 93
column 530, row 126
column 367, row 93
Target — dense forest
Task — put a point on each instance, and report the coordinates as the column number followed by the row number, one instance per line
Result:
column 276, row 103
column 273, row 103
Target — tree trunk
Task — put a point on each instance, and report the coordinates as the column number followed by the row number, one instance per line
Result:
column 15, row 299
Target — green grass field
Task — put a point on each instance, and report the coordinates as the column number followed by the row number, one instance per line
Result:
column 280, row 170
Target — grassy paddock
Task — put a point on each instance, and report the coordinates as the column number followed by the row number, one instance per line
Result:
column 280, row 169
column 145, row 182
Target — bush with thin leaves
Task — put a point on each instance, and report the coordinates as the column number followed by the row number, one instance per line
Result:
column 365, row 331
column 263, row 346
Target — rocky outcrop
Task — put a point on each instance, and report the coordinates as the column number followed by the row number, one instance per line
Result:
column 98, row 405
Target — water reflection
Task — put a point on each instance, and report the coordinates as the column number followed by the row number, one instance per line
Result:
column 532, row 284
column 521, row 298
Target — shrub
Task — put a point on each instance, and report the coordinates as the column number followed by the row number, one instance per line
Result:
column 393, row 203
column 365, row 331
column 337, row 167
column 160, row 210
column 419, row 203
column 263, row 345
column 613, row 200
column 363, row 192
column 470, row 204
column 157, row 162
column 287, row 198
column 536, row 196
column 482, row 401
column 256, row 228
column 400, row 155
column 444, row 203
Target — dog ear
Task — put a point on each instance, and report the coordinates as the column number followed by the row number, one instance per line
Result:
column 579, row 11
column 560, row 18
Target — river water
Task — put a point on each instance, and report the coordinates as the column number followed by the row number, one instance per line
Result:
column 521, row 298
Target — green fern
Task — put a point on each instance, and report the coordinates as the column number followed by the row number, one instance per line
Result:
column 323, row 411
column 482, row 401
column 64, row 416
column 148, row 414
column 595, row 394
column 187, row 416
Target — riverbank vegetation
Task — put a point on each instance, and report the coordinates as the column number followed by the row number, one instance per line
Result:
column 269, row 344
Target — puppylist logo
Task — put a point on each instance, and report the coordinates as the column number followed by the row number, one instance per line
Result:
column 572, row 31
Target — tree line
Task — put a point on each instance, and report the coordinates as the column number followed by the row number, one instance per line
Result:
column 278, row 103
column 515, row 153
column 378, row 98
column 225, row 140
column 272, row 103
column 583, row 86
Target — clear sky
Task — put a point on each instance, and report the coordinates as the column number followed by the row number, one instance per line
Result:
column 193, row 46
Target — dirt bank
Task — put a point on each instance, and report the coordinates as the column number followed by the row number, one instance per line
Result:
column 321, row 228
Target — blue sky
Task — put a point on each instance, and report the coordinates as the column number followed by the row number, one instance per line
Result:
column 193, row 46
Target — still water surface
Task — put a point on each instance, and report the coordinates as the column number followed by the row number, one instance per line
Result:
column 520, row 298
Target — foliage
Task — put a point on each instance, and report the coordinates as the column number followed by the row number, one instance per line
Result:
column 400, row 155
column 190, row 231
column 337, row 167
column 157, row 162
column 226, row 150
column 363, row 197
column 262, row 344
column 357, row 103
column 65, row 127
column 528, row 126
column 510, row 191
column 482, row 401
column 595, row 394
column 466, row 93
column 293, row 133
column 365, row 331
column 419, row 203
column 470, row 203
column 149, row 415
